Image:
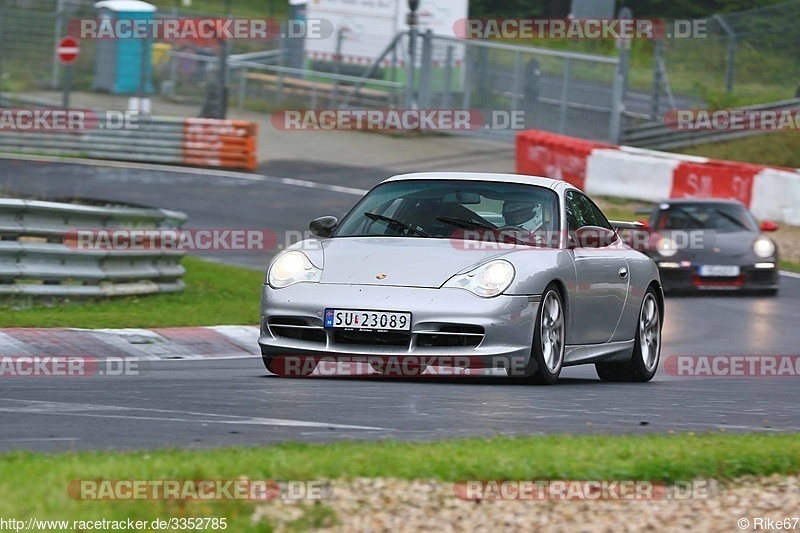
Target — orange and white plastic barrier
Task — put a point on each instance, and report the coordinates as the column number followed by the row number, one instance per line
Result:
column 625, row 172
column 219, row 143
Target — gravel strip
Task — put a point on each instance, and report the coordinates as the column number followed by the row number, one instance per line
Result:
column 388, row 505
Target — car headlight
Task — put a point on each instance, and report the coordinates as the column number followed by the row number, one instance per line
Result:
column 667, row 247
column 290, row 268
column 764, row 247
column 485, row 281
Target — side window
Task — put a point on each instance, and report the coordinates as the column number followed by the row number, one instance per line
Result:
column 598, row 216
column 582, row 212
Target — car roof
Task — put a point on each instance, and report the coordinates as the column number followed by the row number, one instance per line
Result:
column 482, row 176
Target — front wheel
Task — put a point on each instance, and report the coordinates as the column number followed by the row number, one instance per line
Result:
column 549, row 340
column 646, row 347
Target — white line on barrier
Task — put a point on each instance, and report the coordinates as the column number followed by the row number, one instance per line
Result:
column 186, row 170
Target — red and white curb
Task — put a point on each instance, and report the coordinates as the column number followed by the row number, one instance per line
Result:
column 214, row 342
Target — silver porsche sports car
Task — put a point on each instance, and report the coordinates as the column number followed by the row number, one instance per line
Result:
column 465, row 270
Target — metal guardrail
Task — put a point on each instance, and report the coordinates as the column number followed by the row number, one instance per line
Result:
column 182, row 141
column 35, row 261
column 660, row 136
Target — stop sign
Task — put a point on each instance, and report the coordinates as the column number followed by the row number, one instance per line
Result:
column 68, row 50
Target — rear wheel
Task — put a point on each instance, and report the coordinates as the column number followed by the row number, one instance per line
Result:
column 646, row 347
column 549, row 340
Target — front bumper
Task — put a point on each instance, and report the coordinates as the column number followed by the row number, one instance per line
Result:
column 687, row 278
column 444, row 323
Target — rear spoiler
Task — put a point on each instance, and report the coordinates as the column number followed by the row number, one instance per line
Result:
column 618, row 224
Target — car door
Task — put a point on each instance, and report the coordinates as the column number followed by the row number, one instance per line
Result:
column 602, row 277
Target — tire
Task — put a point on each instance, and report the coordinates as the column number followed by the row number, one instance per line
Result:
column 643, row 364
column 279, row 367
column 549, row 340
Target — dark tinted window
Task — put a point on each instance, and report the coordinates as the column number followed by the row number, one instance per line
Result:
column 719, row 216
column 440, row 208
column 582, row 212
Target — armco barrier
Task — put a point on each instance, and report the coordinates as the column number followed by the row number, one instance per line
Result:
column 181, row 141
column 641, row 174
column 34, row 261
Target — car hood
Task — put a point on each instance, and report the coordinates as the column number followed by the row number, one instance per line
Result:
column 720, row 245
column 408, row 262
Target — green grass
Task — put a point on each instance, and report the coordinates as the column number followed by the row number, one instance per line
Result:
column 35, row 484
column 215, row 294
column 774, row 149
column 790, row 266
column 242, row 8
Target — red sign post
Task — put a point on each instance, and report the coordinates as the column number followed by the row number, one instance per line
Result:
column 67, row 52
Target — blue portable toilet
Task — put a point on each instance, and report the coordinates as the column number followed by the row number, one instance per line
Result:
column 124, row 66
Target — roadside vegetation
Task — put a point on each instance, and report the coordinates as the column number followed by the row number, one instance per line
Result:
column 35, row 485
column 778, row 149
column 215, row 294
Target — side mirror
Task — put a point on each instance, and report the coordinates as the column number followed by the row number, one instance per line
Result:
column 593, row 237
column 323, row 226
column 645, row 223
column 768, row 225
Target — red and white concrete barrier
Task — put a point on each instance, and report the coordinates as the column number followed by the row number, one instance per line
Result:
column 626, row 172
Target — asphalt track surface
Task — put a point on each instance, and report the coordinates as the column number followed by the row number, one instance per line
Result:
column 236, row 402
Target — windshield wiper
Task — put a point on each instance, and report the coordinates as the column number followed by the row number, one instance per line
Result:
column 464, row 223
column 395, row 222
column 730, row 217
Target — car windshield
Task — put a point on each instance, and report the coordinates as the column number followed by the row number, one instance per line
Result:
column 718, row 216
column 443, row 208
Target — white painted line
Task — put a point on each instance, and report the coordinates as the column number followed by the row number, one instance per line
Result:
column 186, row 170
column 790, row 274
column 90, row 410
column 43, row 439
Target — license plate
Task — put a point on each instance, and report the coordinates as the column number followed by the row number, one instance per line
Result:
column 367, row 320
column 719, row 271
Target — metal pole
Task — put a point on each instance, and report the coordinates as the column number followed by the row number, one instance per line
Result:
column 448, row 78
column 657, row 75
column 57, row 34
column 517, row 79
column 67, row 86
column 562, row 120
column 337, row 65
column 731, row 52
column 426, row 69
column 143, row 75
column 411, row 67
column 412, row 19
column 223, row 79
column 1, row 59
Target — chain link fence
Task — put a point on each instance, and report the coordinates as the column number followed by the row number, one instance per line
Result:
column 747, row 57
column 555, row 90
